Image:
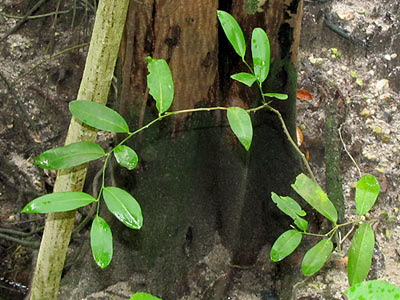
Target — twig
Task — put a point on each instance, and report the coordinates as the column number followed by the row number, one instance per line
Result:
column 31, row 244
column 23, row 20
column 20, row 233
column 93, row 208
column 347, row 151
column 286, row 131
column 35, row 16
column 343, row 32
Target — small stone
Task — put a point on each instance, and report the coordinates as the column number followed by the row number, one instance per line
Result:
column 393, row 56
column 387, row 57
column 371, row 156
column 343, row 68
column 315, row 60
column 385, row 97
column 345, row 15
column 365, row 113
column 381, row 84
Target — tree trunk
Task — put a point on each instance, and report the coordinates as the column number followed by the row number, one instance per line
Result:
column 195, row 180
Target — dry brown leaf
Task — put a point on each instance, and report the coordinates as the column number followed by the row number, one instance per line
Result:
column 300, row 136
column 304, row 95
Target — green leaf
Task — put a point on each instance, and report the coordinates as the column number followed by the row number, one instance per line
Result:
column 285, row 244
column 144, row 296
column 245, row 78
column 372, row 290
column 123, row 206
column 126, row 157
column 240, row 123
column 261, row 53
column 276, row 95
column 57, row 202
column 69, row 156
column 360, row 254
column 160, row 83
column 233, row 32
column 101, row 242
column 315, row 196
column 301, row 223
column 367, row 191
column 315, row 258
column 290, row 207
column 98, row 116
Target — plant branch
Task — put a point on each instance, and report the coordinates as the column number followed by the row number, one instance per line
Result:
column 292, row 141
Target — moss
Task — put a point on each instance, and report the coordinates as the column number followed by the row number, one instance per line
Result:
column 333, row 181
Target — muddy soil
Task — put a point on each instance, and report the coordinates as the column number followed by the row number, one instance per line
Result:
column 349, row 51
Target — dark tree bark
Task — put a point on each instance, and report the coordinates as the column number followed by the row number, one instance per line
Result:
column 195, row 180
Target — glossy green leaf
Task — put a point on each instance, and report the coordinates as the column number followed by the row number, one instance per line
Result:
column 98, row 116
column 373, row 290
column 301, row 223
column 233, row 32
column 126, row 157
column 316, row 257
column 57, row 202
column 288, row 205
column 277, row 96
column 360, row 254
column 101, row 242
column 261, row 53
column 245, row 78
column 69, row 156
column 144, row 296
column 240, row 123
column 315, row 196
column 160, row 83
column 285, row 244
column 123, row 206
column 367, row 191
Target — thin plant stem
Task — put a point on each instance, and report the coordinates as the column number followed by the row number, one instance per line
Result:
column 292, row 141
column 347, row 151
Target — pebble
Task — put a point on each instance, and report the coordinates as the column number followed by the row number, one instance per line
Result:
column 370, row 156
column 381, row 84
column 385, row 97
column 345, row 15
column 387, row 57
